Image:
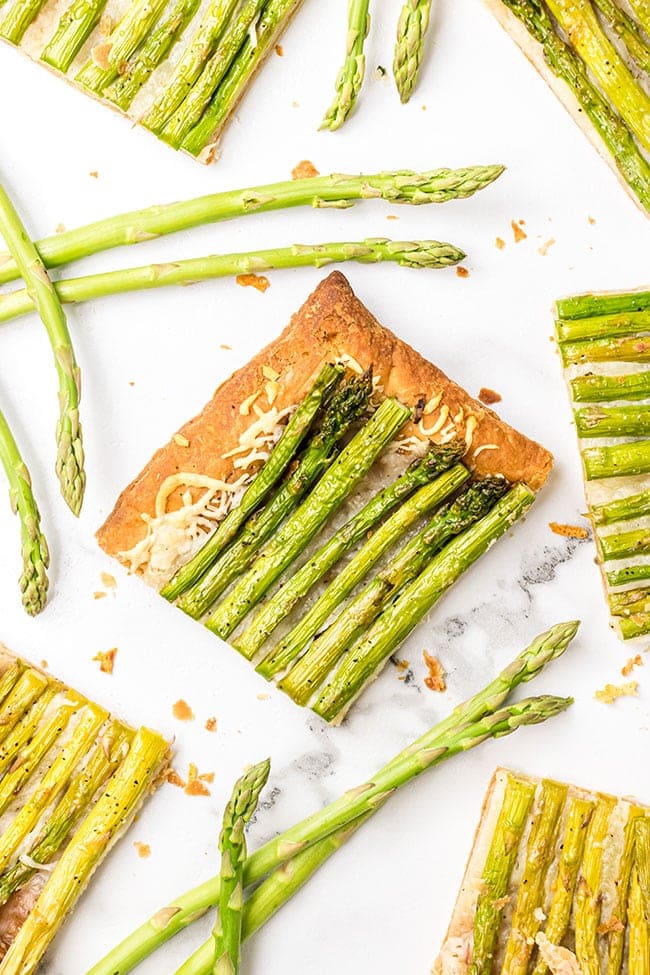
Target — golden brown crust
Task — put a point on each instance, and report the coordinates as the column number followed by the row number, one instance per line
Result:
column 331, row 323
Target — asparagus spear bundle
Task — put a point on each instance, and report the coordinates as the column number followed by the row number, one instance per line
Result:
column 555, row 882
column 604, row 342
column 73, row 778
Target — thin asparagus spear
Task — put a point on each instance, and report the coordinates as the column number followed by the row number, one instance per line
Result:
column 202, row 139
column 615, row 349
column 213, row 24
column 132, row 30
column 369, row 655
column 639, row 948
column 578, row 818
column 281, row 456
column 633, row 573
column 335, row 485
column 9, row 680
column 618, row 139
column 337, row 190
column 628, row 30
column 348, row 404
column 18, row 18
column 150, row 54
column 357, row 615
column 599, row 389
column 188, row 113
column 588, row 888
column 73, row 30
column 26, row 690
column 616, row 936
column 602, row 326
column 35, row 554
column 642, row 10
column 350, row 77
column 42, row 296
column 24, row 729
column 630, row 602
column 422, row 471
column 416, row 254
column 540, row 854
column 624, row 545
column 587, row 305
column 613, row 421
column 412, row 27
column 633, row 626
column 406, row 765
column 424, row 501
column 623, row 509
column 642, row 859
column 619, row 460
column 500, row 861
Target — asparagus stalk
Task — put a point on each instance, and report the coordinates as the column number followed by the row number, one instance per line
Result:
column 337, row 482
column 337, row 190
column 188, row 113
column 613, row 421
column 602, row 326
column 633, row 573
column 412, row 27
column 619, row 460
column 477, row 712
column 358, row 614
column 642, row 859
column 73, row 30
column 639, row 949
column 24, row 693
column 26, row 727
column 615, row 349
column 642, row 10
column 227, row 933
column 281, row 456
column 418, row 474
column 350, row 77
column 213, row 24
column 368, row 656
column 205, row 134
column 416, row 254
column 587, row 305
column 423, row 501
column 624, row 545
column 588, row 888
column 631, row 602
column 150, row 54
column 629, row 32
column 634, row 626
column 618, row 139
column 18, row 18
column 133, row 29
column 540, row 854
column 500, row 861
column 623, row 509
column 616, row 936
column 599, row 389
column 349, row 403
column 42, row 296
column 8, row 681
column 578, row 818
column 35, row 554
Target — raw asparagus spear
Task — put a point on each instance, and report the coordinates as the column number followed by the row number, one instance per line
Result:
column 623, row 509
column 423, row 501
column 297, row 531
column 42, row 296
column 565, row 64
column 540, row 853
column 358, row 614
column 190, row 65
column 411, row 31
column 600, row 389
column 602, row 326
column 618, row 460
column 630, row 602
column 614, row 349
column 633, row 626
column 74, row 28
column 350, row 77
column 628, row 30
column 205, row 134
column 639, row 949
column 578, row 818
column 616, row 936
column 150, row 54
column 613, row 421
column 35, row 554
column 227, row 933
column 416, row 254
column 349, row 402
column 18, row 18
column 642, row 859
column 419, row 473
column 633, row 573
column 642, row 10
column 281, row 456
column 624, row 545
column 588, row 888
column 404, row 767
column 133, row 29
column 368, row 656
column 501, row 857
column 337, row 190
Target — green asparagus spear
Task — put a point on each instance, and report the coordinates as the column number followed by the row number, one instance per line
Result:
column 499, row 864
column 623, row 509
column 639, row 942
column 614, row 349
column 588, row 888
column 227, row 932
column 357, row 615
column 602, row 326
column 18, row 18
column 624, row 545
column 416, row 254
column 587, row 305
column 297, row 531
column 619, row 460
column 281, row 456
column 42, row 296
column 350, row 77
column 634, row 626
column 9, row 680
column 73, row 30
column 35, row 554
column 420, row 472
column 411, row 31
column 405, row 766
column 132, row 30
column 613, row 421
column 423, row 501
column 628, row 30
column 633, row 573
column 368, row 656
column 616, row 936
column 600, row 389
column 642, row 10
column 348, row 403
column 29, row 687
column 630, row 602
column 642, row 859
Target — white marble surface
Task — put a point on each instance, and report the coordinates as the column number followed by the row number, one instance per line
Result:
column 149, row 361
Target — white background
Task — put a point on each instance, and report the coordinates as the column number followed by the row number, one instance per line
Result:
column 150, row 361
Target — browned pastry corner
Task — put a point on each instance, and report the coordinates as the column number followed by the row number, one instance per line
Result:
column 332, row 323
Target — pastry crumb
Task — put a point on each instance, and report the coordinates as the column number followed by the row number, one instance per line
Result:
column 142, row 849
column 295, row 104
column 489, row 396
column 304, row 170
column 279, row 50
column 99, row 594
column 207, row 777
column 228, row 348
column 211, row 724
column 106, row 660
column 611, row 692
column 435, row 680
column 517, row 232
column 94, row 174
column 257, row 281
column 60, row 228
column 568, row 531
column 402, row 664
column 592, row 220
column 544, row 249
column 633, row 662
column 392, row 216
column 109, row 581
column 263, row 697
column 612, row 924
column 462, row 272
column 182, row 711
column 44, row 664
column 499, row 243
column 174, row 779
column 195, row 785
column 180, row 440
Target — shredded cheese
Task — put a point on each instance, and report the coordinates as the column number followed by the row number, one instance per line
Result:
column 245, row 405
column 350, row 363
column 485, row 446
column 470, row 427
column 433, row 404
column 438, row 425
